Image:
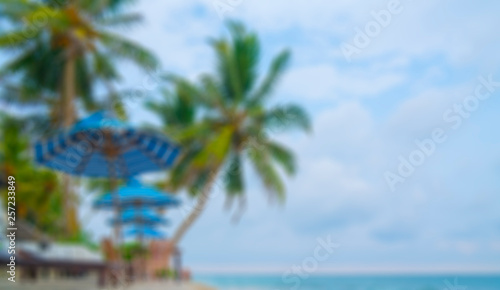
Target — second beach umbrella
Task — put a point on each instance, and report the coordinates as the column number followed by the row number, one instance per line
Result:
column 143, row 216
column 135, row 194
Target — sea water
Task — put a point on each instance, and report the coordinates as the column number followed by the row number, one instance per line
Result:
column 270, row 282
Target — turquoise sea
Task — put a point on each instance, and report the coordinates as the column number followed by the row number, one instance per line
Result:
column 270, row 282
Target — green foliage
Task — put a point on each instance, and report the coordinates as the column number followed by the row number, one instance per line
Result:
column 80, row 30
column 38, row 192
column 132, row 250
column 47, row 42
column 81, row 238
column 165, row 273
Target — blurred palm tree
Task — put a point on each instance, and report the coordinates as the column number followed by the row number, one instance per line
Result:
column 225, row 120
column 63, row 49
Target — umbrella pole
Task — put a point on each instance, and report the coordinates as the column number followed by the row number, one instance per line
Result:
column 109, row 152
column 141, row 234
column 115, row 198
column 117, row 227
column 141, row 239
column 142, row 258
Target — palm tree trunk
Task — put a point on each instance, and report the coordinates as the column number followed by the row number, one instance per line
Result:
column 68, row 92
column 67, row 119
column 195, row 213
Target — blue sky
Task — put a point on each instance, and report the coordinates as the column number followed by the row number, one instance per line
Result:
column 366, row 113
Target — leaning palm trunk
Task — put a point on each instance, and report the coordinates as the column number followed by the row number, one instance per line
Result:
column 67, row 118
column 195, row 213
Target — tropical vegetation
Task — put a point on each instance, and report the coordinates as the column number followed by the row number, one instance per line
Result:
column 63, row 54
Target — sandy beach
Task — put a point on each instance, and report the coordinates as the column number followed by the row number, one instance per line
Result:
column 170, row 285
column 90, row 285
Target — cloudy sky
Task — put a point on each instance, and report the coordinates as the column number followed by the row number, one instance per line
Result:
column 402, row 168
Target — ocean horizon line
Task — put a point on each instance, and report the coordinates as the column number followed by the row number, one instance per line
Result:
column 382, row 271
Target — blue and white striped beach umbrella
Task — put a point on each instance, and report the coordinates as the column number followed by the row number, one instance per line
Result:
column 144, row 231
column 103, row 146
column 140, row 216
column 135, row 194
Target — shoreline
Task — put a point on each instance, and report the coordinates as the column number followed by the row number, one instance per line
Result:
column 90, row 284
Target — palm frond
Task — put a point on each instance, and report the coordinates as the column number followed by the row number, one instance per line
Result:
column 124, row 48
column 211, row 95
column 227, row 71
column 233, row 176
column 103, row 67
column 19, row 63
column 245, row 53
column 216, row 149
column 103, row 8
column 16, row 39
column 25, row 96
column 121, row 20
column 84, row 83
column 276, row 70
column 283, row 156
column 267, row 173
column 286, row 117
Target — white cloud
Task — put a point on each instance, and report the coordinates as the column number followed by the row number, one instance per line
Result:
column 325, row 82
